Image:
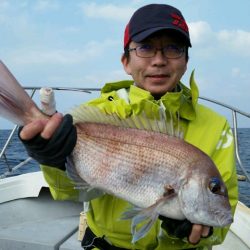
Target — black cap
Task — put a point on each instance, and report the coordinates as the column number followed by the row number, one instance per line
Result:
column 152, row 18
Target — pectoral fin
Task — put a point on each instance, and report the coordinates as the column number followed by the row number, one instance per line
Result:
column 147, row 216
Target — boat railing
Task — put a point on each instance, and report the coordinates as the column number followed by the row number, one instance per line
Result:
column 234, row 111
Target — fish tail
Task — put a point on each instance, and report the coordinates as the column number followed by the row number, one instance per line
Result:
column 15, row 104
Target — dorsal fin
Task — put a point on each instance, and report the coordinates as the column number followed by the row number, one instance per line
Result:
column 88, row 113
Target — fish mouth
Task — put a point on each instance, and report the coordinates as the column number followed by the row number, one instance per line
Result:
column 229, row 221
column 225, row 220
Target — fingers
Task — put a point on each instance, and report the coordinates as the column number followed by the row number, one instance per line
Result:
column 32, row 129
column 45, row 127
column 195, row 235
column 51, row 126
column 205, row 232
column 197, row 232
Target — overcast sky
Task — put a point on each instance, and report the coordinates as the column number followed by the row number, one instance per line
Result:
column 79, row 44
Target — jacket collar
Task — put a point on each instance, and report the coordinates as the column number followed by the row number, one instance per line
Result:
column 182, row 101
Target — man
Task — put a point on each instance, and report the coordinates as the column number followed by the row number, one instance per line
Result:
column 156, row 43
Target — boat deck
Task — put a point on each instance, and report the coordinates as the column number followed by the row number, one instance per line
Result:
column 39, row 223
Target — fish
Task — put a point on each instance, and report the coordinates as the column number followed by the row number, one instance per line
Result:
column 141, row 160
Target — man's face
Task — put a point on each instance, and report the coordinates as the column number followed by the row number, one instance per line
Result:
column 157, row 74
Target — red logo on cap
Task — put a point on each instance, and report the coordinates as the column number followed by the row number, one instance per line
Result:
column 180, row 22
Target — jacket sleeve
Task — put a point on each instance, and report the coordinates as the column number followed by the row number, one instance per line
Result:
column 60, row 185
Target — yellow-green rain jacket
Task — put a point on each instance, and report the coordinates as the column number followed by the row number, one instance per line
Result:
column 204, row 128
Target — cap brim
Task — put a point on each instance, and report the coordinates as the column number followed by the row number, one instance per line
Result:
column 144, row 34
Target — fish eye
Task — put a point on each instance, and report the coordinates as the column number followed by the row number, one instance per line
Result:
column 215, row 185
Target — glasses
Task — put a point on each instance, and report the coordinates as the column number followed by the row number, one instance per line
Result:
column 148, row 51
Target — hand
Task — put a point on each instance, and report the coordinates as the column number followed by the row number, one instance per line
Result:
column 44, row 127
column 198, row 232
column 184, row 228
column 50, row 141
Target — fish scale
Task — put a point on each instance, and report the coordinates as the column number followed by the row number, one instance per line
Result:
column 121, row 165
column 131, row 161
